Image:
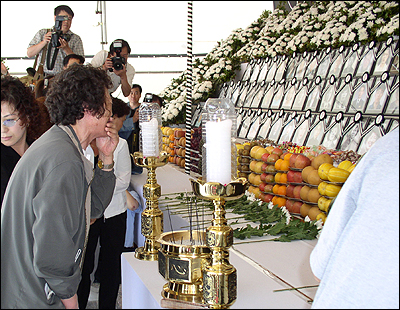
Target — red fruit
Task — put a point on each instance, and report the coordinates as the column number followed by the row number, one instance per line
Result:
column 264, row 157
column 263, row 176
column 292, row 160
column 296, row 207
column 268, row 188
column 269, row 178
column 302, row 161
column 264, row 167
column 290, row 190
column 290, row 176
column 277, row 151
column 297, row 177
column 268, row 197
column 296, row 191
column 289, row 205
column 272, row 158
column 262, row 186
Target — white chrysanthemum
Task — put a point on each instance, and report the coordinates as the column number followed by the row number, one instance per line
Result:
column 270, row 205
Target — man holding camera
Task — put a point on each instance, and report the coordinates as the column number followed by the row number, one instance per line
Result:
column 115, row 63
column 56, row 43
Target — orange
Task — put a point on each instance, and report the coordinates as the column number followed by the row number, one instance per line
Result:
column 285, row 165
column 278, row 164
column 274, row 200
column 281, row 202
column 171, row 137
column 275, row 188
column 172, row 152
column 278, row 177
column 287, row 156
column 282, row 190
column 283, row 178
column 171, row 145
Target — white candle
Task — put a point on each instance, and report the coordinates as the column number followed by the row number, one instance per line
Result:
column 150, row 143
column 218, row 151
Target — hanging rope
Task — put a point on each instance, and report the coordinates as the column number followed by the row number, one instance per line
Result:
column 189, row 88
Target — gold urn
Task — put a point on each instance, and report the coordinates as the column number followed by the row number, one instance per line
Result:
column 181, row 259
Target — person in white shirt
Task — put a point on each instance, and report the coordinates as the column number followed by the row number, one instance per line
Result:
column 110, row 228
column 124, row 73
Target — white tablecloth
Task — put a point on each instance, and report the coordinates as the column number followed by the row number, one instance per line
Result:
column 261, row 266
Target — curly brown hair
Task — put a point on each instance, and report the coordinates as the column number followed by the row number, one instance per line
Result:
column 16, row 94
column 75, row 90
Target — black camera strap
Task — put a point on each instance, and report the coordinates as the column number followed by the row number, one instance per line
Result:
column 53, row 61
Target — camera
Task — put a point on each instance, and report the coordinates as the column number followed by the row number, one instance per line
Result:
column 117, row 61
column 57, row 33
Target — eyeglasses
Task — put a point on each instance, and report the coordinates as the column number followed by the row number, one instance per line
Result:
column 10, row 122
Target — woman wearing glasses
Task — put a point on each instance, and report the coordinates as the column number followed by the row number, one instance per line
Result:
column 20, row 122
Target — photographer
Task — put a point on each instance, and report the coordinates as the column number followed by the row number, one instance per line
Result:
column 67, row 41
column 115, row 63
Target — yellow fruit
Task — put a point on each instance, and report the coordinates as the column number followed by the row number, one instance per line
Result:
column 321, row 216
column 351, row 168
column 345, row 164
column 338, row 175
column 320, row 159
column 313, row 213
column 321, row 203
column 304, row 209
column 259, row 152
column 327, row 204
column 332, row 190
column 304, row 192
column 323, row 170
column 305, row 172
column 269, row 148
column 313, row 195
column 313, row 178
column 253, row 151
column 322, row 188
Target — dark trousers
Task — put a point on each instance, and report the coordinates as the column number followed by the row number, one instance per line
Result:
column 112, row 238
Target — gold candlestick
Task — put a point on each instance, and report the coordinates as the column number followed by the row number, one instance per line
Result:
column 219, row 276
column 152, row 217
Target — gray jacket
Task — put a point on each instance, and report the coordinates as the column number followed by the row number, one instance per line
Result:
column 43, row 222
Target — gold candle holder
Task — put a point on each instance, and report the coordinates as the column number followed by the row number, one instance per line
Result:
column 219, row 276
column 181, row 259
column 152, row 217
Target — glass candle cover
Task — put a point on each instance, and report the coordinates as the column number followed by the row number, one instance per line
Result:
column 150, row 142
column 219, row 136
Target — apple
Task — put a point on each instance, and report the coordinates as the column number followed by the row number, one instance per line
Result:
column 261, row 186
column 264, row 157
column 290, row 176
column 268, row 197
column 269, row 178
column 263, row 176
column 292, row 160
column 289, row 205
column 290, row 190
column 277, row 151
column 302, row 161
column 297, row 177
column 270, row 168
column 296, row 191
column 272, row 158
column 264, row 167
column 268, row 188
column 296, row 207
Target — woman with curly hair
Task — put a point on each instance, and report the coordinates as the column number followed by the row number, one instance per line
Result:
column 54, row 192
column 20, row 123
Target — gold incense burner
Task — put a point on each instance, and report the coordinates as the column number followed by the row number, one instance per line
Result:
column 219, row 276
column 181, row 259
column 152, row 217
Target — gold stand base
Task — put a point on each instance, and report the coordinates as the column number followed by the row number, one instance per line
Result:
column 184, row 292
column 141, row 254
